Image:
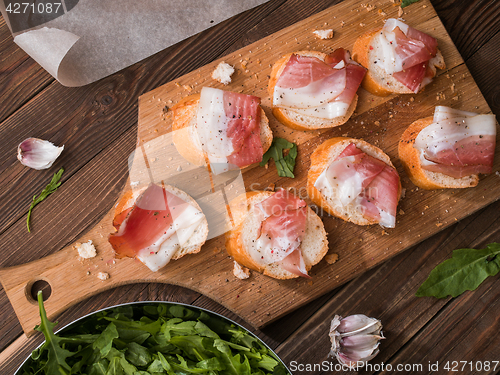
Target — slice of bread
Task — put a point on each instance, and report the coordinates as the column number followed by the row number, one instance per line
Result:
column 184, row 138
column 366, row 51
column 321, row 158
column 194, row 244
column 240, row 239
column 296, row 120
column 410, row 158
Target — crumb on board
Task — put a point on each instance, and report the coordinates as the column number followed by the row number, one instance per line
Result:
column 400, row 11
column 103, row 276
column 86, row 250
column 331, row 258
column 223, row 72
column 323, row 34
column 240, row 272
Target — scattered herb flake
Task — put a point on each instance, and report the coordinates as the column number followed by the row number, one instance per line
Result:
column 466, row 270
column 49, row 189
column 284, row 163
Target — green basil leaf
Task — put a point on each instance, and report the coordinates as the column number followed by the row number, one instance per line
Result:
column 284, row 164
column 405, row 3
column 466, row 270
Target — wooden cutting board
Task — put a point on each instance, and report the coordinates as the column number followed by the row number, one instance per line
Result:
column 380, row 121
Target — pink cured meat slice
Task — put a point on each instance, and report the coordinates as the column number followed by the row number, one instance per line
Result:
column 153, row 213
column 382, row 192
column 284, row 216
column 380, row 183
column 415, row 49
column 471, row 155
column 301, row 71
column 412, row 77
column 243, row 114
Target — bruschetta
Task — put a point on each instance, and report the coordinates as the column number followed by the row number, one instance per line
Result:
column 355, row 181
column 221, row 128
column 156, row 224
column 449, row 149
column 313, row 90
column 400, row 59
column 275, row 233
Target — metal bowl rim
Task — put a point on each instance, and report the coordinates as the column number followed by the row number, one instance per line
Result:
column 74, row 322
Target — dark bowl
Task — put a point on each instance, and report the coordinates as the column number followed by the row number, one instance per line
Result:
column 188, row 312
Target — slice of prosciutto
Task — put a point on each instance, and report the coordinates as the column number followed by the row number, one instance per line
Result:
column 457, row 143
column 283, row 219
column 407, row 53
column 313, row 87
column 155, row 227
column 228, row 128
column 368, row 184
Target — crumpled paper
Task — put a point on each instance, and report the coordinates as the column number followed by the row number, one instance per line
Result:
column 86, row 40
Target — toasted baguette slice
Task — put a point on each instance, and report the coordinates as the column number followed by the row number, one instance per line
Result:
column 240, row 239
column 296, row 120
column 410, row 159
column 194, row 244
column 366, row 50
column 321, row 158
column 184, row 118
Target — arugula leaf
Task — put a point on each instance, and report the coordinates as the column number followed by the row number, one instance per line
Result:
column 56, row 355
column 49, row 189
column 466, row 270
column 161, row 341
column 284, row 164
column 405, row 3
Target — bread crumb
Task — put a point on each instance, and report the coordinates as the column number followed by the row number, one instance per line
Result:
column 223, row 73
column 324, row 34
column 331, row 258
column 400, row 11
column 362, row 24
column 401, row 212
column 342, row 23
column 377, row 123
column 86, row 250
column 187, row 88
column 240, row 272
column 439, row 224
column 103, row 276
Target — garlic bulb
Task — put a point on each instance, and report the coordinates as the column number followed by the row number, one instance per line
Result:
column 37, row 153
column 355, row 339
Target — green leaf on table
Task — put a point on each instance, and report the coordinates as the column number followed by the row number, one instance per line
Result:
column 466, row 270
column 284, row 163
column 49, row 189
column 56, row 355
column 405, row 3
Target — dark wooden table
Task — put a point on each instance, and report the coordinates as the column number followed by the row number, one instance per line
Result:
column 98, row 123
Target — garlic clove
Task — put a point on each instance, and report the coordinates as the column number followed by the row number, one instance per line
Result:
column 361, row 342
column 358, row 324
column 355, row 339
column 37, row 153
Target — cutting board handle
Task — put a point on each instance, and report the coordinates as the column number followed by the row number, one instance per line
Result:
column 71, row 279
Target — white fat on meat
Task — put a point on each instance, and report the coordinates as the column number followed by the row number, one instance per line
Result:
column 210, row 129
column 341, row 192
column 313, row 95
column 390, row 60
column 179, row 235
column 450, row 126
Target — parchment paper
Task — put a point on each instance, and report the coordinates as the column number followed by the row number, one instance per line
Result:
column 96, row 38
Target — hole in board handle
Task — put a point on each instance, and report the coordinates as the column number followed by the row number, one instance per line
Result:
column 34, row 286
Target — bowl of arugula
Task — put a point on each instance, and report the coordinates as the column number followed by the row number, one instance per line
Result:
column 151, row 338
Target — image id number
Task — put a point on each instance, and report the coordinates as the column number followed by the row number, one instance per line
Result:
column 471, row 366
column 41, row 8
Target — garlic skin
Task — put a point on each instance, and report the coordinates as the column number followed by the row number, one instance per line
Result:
column 37, row 153
column 355, row 339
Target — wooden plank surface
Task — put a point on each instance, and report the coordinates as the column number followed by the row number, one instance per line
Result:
column 378, row 120
column 478, row 42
